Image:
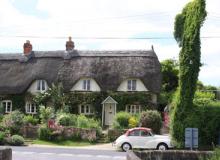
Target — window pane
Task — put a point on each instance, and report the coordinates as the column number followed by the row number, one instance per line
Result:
column 87, row 109
column 32, row 108
column 135, row 133
column 43, row 85
column 145, row 133
column 38, row 85
column 88, row 84
column 8, row 107
column 27, row 107
column 84, row 84
column 129, row 85
column 133, row 85
column 82, row 109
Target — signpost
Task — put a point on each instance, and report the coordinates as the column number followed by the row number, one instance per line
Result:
column 191, row 138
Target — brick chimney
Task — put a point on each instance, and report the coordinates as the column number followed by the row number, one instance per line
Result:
column 70, row 45
column 27, row 48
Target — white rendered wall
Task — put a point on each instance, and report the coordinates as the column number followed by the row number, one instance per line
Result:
column 79, row 85
column 139, row 86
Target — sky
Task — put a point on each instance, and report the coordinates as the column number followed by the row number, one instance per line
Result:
column 48, row 23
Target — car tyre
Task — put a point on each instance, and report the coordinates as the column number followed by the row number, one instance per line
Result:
column 162, row 147
column 126, row 147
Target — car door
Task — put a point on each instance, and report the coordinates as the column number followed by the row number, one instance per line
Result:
column 134, row 138
column 146, row 139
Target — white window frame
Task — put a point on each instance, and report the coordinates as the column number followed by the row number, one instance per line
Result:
column 86, row 109
column 133, row 109
column 28, row 108
column 41, row 85
column 86, row 86
column 132, row 84
column 8, row 109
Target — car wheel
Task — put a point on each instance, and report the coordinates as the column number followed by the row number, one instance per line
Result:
column 126, row 146
column 162, row 147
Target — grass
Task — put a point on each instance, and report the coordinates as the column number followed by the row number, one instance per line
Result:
column 62, row 143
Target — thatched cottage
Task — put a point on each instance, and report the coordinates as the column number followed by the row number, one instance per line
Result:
column 84, row 71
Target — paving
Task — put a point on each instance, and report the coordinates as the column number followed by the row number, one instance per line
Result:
column 43, row 152
column 105, row 146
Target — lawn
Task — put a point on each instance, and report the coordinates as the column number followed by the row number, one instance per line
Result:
column 62, row 143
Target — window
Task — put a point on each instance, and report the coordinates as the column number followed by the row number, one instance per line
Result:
column 134, row 133
column 86, row 84
column 7, row 104
column 31, row 108
column 41, row 85
column 145, row 133
column 132, row 85
column 86, row 109
column 133, row 109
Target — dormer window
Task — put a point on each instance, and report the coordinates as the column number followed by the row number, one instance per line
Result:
column 86, row 84
column 132, row 83
column 7, row 104
column 41, row 85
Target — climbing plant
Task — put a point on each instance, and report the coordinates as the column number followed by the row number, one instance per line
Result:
column 54, row 97
column 187, row 34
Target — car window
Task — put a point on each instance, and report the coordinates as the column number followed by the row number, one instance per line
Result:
column 134, row 133
column 145, row 133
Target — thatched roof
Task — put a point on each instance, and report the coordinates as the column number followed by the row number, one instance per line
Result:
column 108, row 68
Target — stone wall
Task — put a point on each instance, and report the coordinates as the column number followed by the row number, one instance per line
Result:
column 6, row 154
column 67, row 132
column 29, row 131
column 84, row 134
column 168, row 155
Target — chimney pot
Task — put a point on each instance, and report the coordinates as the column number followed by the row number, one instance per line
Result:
column 27, row 47
column 70, row 45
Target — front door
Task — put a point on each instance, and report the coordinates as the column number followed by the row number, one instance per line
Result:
column 109, row 113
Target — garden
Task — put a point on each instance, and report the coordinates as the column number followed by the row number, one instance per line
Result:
column 47, row 126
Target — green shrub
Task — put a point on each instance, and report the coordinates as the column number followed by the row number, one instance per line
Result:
column 151, row 119
column 16, row 140
column 29, row 119
column 121, row 120
column 95, row 124
column 215, row 155
column 203, row 98
column 66, row 119
column 205, row 118
column 82, row 121
column 44, row 133
column 46, row 113
column 2, row 138
column 13, row 121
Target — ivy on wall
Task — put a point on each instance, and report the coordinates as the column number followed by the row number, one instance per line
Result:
column 187, row 34
column 55, row 97
column 18, row 101
column 74, row 99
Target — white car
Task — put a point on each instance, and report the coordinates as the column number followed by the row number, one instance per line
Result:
column 142, row 138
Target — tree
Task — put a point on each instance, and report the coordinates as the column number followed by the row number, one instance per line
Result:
column 187, row 34
column 170, row 73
